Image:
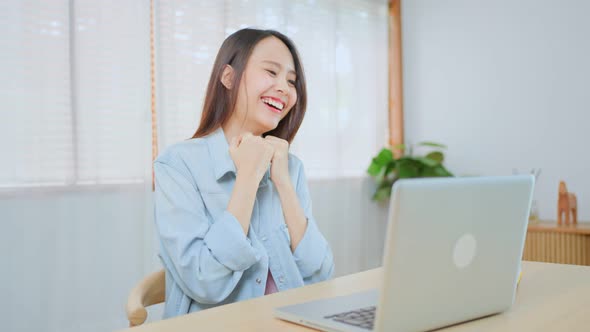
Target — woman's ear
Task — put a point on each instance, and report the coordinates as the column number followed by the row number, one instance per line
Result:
column 227, row 77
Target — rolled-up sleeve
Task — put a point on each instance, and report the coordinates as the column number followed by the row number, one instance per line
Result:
column 206, row 259
column 313, row 255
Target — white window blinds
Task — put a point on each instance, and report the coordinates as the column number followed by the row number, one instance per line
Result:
column 35, row 100
column 75, row 93
column 112, row 80
column 75, row 101
column 343, row 45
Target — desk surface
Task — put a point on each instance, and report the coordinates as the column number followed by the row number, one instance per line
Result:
column 551, row 297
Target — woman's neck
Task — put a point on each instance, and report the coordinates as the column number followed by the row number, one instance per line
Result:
column 235, row 127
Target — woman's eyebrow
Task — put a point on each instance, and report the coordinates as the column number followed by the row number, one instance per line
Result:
column 291, row 71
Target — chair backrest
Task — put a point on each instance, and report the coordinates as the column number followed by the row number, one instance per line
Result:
column 150, row 290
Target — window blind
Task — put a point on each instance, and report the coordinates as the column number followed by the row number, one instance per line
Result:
column 75, row 98
column 35, row 99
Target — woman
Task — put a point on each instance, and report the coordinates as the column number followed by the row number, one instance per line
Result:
column 232, row 206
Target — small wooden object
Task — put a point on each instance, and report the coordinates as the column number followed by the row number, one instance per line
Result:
column 566, row 204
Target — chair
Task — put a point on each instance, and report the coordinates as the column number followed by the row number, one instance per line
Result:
column 150, row 290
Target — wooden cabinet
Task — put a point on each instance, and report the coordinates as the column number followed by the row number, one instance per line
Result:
column 548, row 242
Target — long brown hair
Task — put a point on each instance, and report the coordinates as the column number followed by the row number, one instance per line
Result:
column 220, row 101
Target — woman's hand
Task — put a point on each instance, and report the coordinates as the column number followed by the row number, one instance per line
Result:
column 251, row 155
column 279, row 170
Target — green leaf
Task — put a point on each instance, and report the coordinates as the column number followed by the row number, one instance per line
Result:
column 380, row 176
column 429, row 172
column 441, row 171
column 382, row 193
column 384, row 157
column 406, row 169
column 390, row 167
column 427, row 161
column 436, row 156
column 432, row 144
column 374, row 169
column 381, row 165
column 407, row 159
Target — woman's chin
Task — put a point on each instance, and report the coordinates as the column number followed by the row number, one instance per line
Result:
column 268, row 125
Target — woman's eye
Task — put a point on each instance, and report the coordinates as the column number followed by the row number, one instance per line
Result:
column 272, row 72
column 291, row 82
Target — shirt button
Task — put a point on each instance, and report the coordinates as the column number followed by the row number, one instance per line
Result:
column 281, row 280
column 264, row 238
column 258, row 280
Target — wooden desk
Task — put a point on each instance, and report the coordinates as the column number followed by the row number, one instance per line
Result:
column 551, row 297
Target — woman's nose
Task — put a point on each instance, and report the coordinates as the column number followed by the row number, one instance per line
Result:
column 281, row 86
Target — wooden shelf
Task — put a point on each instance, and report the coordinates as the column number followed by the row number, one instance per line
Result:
column 565, row 244
column 551, row 226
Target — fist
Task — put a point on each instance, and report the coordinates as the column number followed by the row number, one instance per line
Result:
column 251, row 155
column 279, row 170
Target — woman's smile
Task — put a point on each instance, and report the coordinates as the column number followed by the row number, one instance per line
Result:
column 274, row 104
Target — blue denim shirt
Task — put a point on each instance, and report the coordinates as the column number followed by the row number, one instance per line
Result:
column 208, row 259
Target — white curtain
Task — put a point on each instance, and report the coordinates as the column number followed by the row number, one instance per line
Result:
column 75, row 175
column 343, row 45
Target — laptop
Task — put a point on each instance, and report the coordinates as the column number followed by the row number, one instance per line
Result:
column 453, row 252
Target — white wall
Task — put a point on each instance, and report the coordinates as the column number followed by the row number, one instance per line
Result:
column 69, row 259
column 505, row 84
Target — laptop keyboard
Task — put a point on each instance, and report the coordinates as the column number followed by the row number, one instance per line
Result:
column 363, row 317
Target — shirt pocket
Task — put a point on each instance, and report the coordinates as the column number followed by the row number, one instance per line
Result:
column 215, row 203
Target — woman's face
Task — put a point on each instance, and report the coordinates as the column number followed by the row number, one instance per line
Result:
column 267, row 89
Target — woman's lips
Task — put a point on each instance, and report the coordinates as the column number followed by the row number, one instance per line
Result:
column 272, row 108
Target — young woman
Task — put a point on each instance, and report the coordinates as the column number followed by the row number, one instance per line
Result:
column 232, row 206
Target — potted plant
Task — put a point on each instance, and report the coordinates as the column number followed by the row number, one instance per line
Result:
column 386, row 169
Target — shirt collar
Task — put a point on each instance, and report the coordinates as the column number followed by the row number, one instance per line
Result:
column 219, row 152
column 222, row 161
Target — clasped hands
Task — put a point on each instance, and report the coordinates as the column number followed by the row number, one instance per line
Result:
column 252, row 155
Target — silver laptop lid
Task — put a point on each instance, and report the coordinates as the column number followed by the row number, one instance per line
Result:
column 453, row 250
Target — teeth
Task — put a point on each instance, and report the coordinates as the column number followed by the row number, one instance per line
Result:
column 274, row 103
